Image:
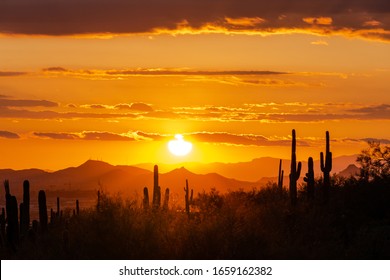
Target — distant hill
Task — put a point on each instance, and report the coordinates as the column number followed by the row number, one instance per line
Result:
column 255, row 170
column 93, row 175
column 351, row 170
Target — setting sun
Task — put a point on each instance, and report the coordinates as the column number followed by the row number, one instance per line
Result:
column 179, row 147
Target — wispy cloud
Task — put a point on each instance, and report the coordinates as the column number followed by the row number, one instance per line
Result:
column 86, row 135
column 6, row 102
column 11, row 74
column 8, row 135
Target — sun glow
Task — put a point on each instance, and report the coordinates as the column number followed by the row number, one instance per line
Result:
column 179, row 147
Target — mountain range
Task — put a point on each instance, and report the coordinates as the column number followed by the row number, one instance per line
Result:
column 131, row 180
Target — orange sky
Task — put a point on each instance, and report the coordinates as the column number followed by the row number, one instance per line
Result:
column 234, row 80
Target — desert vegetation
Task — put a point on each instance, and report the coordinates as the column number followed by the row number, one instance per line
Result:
column 326, row 217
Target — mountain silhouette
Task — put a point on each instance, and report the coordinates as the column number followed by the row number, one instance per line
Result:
column 258, row 169
column 93, row 175
column 351, row 170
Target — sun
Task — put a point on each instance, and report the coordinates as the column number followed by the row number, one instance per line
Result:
column 179, row 147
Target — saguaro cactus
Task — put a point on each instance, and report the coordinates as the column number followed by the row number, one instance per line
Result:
column 77, row 207
column 309, row 179
column 166, row 199
column 2, row 223
column 58, row 207
column 326, row 167
column 145, row 201
column 295, row 170
column 12, row 219
column 98, row 201
column 156, row 190
column 11, row 208
column 188, row 198
column 280, row 176
column 42, row 210
column 25, row 218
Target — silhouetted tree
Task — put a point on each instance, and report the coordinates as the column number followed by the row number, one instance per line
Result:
column 374, row 162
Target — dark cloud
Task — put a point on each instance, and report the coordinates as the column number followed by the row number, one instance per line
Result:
column 5, row 102
column 28, row 114
column 55, row 69
column 382, row 141
column 58, row 136
column 11, row 74
column 9, row 135
column 97, row 106
column 123, row 16
column 373, row 112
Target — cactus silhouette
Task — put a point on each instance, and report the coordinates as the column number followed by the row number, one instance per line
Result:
column 156, row 190
column 166, row 199
column 12, row 219
column 98, row 201
column 2, row 223
column 309, row 179
column 280, row 176
column 58, row 207
column 295, row 170
column 42, row 210
column 145, row 202
column 77, row 207
column 188, row 198
column 25, row 209
column 11, row 208
column 326, row 167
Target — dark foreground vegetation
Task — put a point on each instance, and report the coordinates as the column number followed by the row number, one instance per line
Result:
column 326, row 218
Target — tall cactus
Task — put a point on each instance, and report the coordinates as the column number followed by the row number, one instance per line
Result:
column 2, row 223
column 166, row 199
column 295, row 170
column 25, row 218
column 12, row 220
column 77, row 207
column 145, row 201
column 309, row 179
column 188, row 198
column 42, row 210
column 156, row 190
column 326, row 167
column 11, row 208
column 280, row 176
column 58, row 207
column 98, row 201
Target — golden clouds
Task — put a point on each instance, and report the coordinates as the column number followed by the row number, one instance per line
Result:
column 245, row 21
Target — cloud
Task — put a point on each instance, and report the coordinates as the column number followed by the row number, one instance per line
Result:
column 137, row 106
column 237, row 139
column 5, row 102
column 368, row 19
column 29, row 114
column 95, row 106
column 373, row 112
column 223, row 138
column 320, row 43
column 318, row 20
column 86, row 135
column 9, row 135
column 11, row 74
column 245, row 21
